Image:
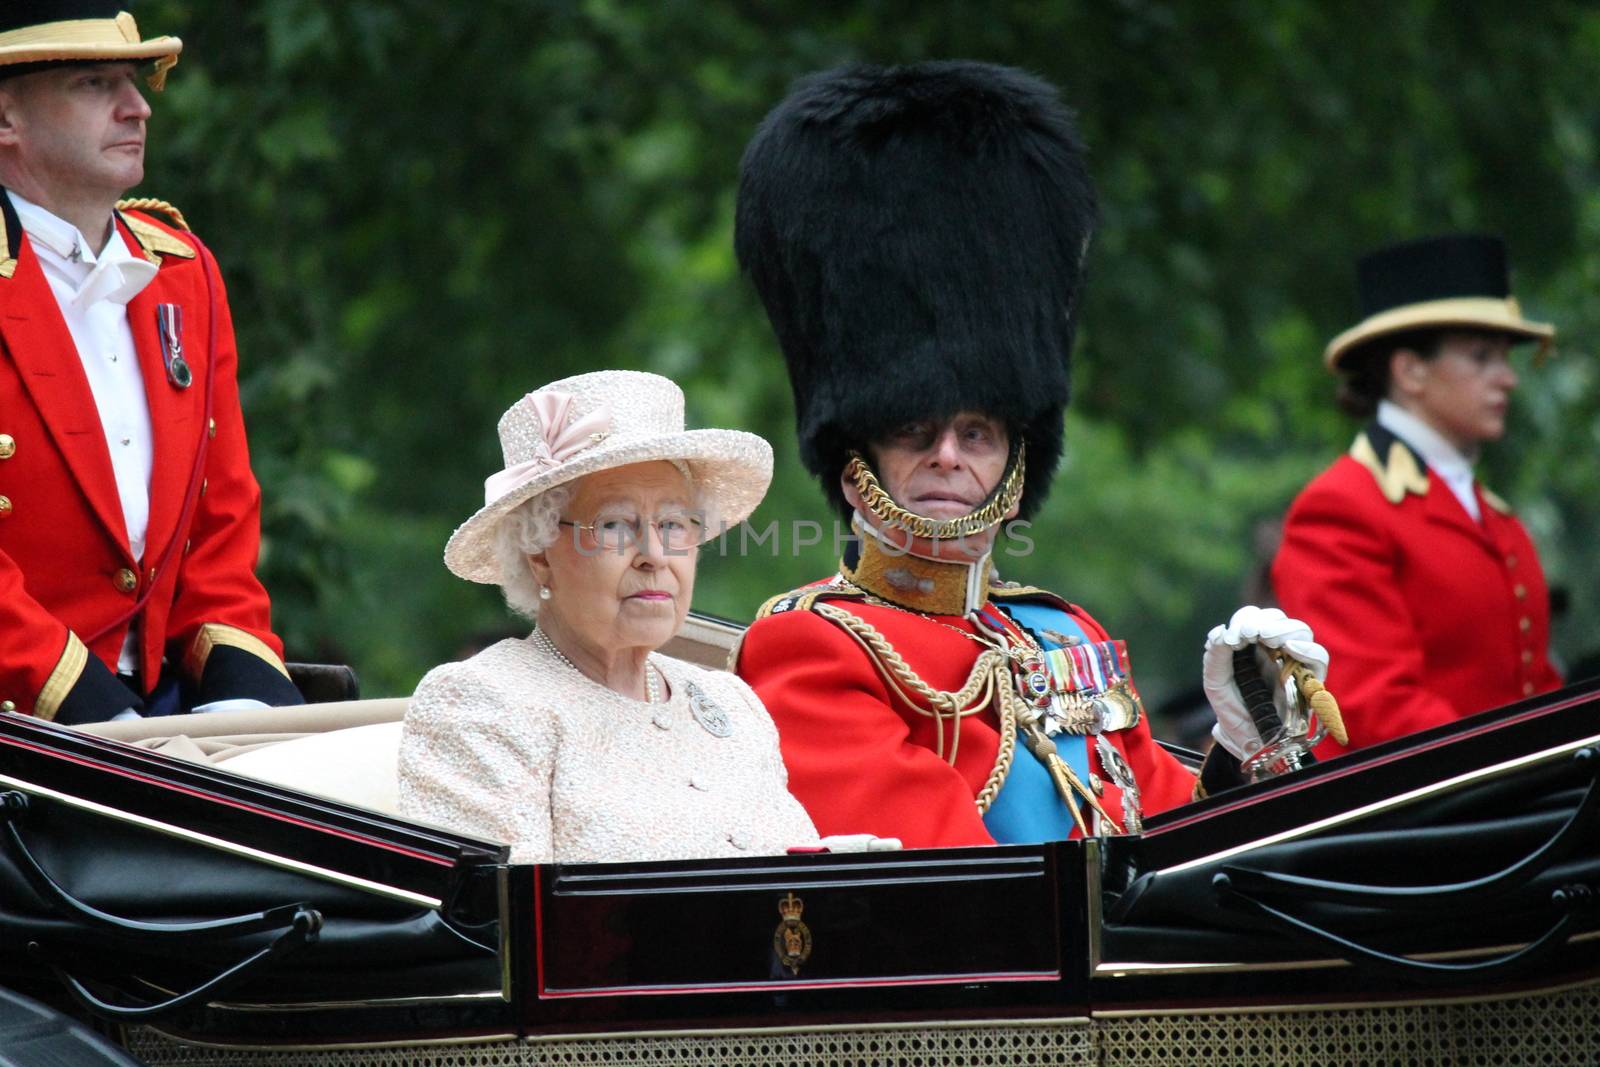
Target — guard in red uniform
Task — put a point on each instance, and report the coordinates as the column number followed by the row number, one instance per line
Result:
column 129, row 518
column 917, row 236
column 1423, row 585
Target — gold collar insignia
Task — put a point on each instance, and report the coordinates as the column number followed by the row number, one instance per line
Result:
column 1397, row 475
column 929, row 586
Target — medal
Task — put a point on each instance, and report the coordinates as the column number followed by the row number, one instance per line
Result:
column 169, row 323
column 707, row 712
column 1112, row 763
column 1033, row 682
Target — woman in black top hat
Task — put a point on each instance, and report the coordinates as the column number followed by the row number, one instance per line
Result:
column 1424, row 587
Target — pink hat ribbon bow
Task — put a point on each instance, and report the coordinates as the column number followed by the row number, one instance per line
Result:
column 561, row 442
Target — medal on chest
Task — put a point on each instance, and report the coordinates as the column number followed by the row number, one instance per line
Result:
column 1080, row 689
column 169, row 324
column 1117, row 769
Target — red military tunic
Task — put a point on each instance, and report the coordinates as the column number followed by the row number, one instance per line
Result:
column 1427, row 615
column 66, row 570
column 860, row 761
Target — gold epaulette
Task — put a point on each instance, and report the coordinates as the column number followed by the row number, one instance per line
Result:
column 806, row 596
column 1494, row 500
column 148, row 203
column 154, row 241
column 1396, row 474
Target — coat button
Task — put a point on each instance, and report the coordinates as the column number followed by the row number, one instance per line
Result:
column 1511, row 560
column 204, row 482
column 5, row 506
column 1520, row 591
column 1526, row 623
column 1527, row 689
column 211, row 427
column 7, row 705
column 8, row 446
column 125, row 580
column 1527, row 655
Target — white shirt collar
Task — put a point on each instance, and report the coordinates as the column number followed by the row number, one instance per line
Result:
column 52, row 231
column 1436, row 452
column 116, row 274
column 1440, row 455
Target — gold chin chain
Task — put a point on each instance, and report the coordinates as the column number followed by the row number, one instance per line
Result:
column 877, row 500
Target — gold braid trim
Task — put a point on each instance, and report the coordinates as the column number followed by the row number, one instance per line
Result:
column 1317, row 696
column 149, row 203
column 878, row 501
column 988, row 682
column 68, row 669
column 213, row 635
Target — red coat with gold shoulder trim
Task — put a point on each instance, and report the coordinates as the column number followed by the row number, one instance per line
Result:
column 1427, row 615
column 860, row 761
column 66, row 571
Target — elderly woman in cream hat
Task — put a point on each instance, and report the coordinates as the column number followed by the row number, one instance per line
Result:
column 582, row 742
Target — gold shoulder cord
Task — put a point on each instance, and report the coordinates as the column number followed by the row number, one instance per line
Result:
column 1317, row 696
column 147, row 203
column 989, row 681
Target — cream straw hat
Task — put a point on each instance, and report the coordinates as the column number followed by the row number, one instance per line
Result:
column 594, row 422
column 82, row 30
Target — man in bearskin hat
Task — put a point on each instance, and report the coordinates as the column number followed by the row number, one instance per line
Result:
column 1423, row 584
column 129, row 518
column 917, row 235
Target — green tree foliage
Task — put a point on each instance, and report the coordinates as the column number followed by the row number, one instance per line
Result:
column 423, row 210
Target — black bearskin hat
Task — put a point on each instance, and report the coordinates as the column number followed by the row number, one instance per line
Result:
column 917, row 235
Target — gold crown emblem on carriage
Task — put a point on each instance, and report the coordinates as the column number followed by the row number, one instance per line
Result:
column 791, row 941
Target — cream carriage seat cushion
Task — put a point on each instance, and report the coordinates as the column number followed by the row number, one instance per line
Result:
column 357, row 765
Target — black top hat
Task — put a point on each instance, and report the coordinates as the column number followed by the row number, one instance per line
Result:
column 55, row 31
column 917, row 236
column 1453, row 280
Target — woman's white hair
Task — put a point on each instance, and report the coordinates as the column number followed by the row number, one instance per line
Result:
column 533, row 526
column 527, row 529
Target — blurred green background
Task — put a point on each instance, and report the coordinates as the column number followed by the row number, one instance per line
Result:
column 424, row 210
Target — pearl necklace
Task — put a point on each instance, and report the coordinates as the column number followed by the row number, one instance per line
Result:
column 652, row 688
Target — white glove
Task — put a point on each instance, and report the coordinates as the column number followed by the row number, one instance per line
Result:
column 126, row 713
column 860, row 843
column 1266, row 628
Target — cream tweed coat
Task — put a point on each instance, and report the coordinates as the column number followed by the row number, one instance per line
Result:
column 514, row 745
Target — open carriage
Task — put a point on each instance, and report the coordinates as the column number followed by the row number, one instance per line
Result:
column 1425, row 901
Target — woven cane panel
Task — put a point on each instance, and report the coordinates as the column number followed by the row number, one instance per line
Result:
column 999, row 1046
column 1549, row 1030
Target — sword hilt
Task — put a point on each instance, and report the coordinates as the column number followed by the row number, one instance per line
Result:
column 1257, row 697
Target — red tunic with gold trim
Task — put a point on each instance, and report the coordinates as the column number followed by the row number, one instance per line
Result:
column 1427, row 615
column 66, row 571
column 861, row 761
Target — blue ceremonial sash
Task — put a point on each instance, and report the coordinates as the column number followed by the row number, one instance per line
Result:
column 1028, row 810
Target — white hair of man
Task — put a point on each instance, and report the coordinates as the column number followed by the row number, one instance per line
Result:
column 533, row 526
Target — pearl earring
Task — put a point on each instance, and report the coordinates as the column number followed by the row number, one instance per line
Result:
column 544, row 592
